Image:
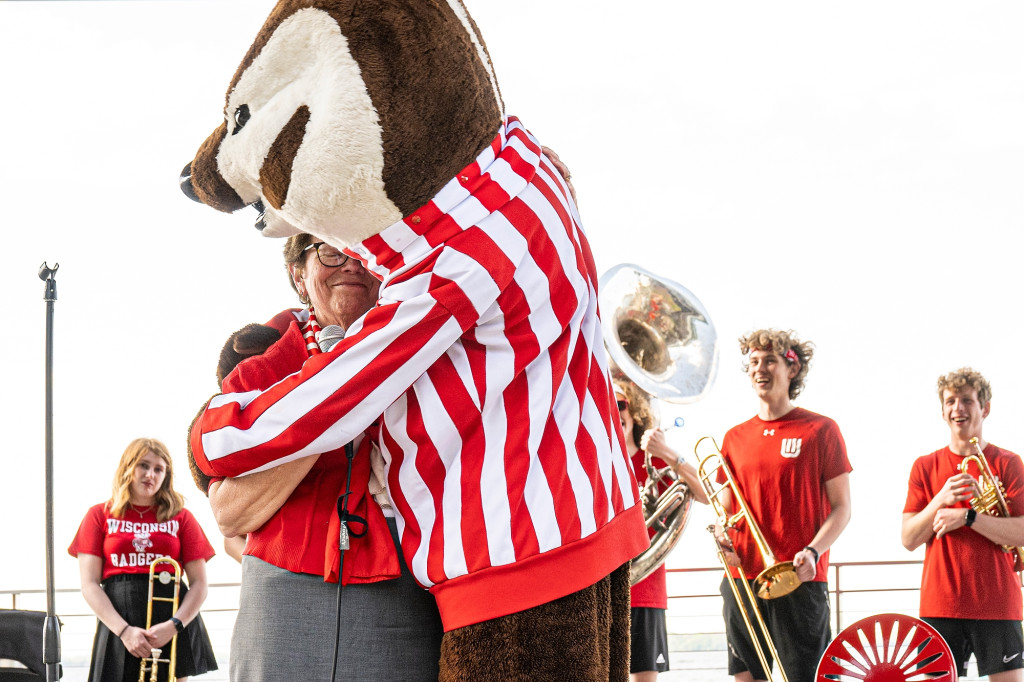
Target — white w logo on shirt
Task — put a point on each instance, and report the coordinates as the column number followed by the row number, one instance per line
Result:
column 791, row 447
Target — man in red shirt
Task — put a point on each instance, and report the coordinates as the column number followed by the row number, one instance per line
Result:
column 791, row 468
column 970, row 591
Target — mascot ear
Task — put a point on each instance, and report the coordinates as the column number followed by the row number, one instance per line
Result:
column 250, row 340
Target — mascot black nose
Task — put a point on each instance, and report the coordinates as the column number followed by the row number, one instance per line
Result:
column 185, row 182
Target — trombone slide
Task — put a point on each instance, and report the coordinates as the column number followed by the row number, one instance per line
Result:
column 154, row 659
column 750, row 603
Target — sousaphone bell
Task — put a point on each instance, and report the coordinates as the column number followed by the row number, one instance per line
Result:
column 659, row 337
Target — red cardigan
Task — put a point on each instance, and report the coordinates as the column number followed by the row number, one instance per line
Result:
column 302, row 536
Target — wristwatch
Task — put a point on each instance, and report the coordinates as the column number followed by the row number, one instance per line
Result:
column 970, row 516
column 177, row 624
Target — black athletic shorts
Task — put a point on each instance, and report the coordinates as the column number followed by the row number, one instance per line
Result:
column 648, row 643
column 799, row 625
column 997, row 645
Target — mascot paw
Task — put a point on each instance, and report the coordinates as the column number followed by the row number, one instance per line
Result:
column 562, row 169
column 250, row 340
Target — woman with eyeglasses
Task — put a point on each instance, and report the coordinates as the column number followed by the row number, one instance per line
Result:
column 288, row 624
column 649, row 598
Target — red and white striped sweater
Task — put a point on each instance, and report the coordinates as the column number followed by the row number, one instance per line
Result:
column 506, row 466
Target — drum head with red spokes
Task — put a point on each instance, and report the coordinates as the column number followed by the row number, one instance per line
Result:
column 889, row 647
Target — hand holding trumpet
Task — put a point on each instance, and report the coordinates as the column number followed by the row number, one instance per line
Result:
column 958, row 488
column 947, row 520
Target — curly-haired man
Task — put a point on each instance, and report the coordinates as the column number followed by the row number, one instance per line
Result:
column 791, row 468
column 970, row 591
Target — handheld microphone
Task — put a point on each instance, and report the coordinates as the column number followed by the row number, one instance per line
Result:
column 329, row 336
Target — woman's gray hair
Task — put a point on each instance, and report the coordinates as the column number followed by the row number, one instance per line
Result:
column 294, row 254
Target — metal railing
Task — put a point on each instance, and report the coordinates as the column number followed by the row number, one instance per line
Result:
column 902, row 577
column 696, row 634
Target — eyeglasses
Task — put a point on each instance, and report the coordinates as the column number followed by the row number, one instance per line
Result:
column 328, row 255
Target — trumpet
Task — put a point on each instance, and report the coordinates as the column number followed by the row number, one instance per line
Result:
column 779, row 577
column 992, row 497
column 154, row 658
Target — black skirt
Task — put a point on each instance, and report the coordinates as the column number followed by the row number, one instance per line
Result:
column 129, row 594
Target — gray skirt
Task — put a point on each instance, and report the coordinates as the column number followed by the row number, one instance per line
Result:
column 285, row 629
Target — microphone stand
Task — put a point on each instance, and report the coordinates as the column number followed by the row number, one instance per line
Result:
column 51, row 628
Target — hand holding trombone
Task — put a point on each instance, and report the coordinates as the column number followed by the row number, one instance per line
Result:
column 779, row 578
column 152, row 661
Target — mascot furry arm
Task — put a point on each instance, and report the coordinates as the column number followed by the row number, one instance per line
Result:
column 377, row 127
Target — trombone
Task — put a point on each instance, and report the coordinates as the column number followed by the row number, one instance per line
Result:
column 154, row 658
column 779, row 577
column 776, row 580
column 992, row 498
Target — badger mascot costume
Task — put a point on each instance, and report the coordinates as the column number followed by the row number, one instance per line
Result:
column 377, row 127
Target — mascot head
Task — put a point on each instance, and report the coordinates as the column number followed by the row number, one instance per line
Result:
column 347, row 115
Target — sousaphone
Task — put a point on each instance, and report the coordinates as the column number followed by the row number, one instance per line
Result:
column 659, row 337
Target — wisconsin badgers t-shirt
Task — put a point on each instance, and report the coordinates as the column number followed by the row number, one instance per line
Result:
column 131, row 543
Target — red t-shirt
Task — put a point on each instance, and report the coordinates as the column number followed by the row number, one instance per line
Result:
column 652, row 591
column 781, row 467
column 965, row 574
column 129, row 544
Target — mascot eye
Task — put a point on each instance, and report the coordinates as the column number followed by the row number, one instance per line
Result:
column 241, row 118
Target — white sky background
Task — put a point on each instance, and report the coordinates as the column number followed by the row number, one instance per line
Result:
column 850, row 171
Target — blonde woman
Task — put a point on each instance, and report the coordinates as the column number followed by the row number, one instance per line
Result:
column 143, row 520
